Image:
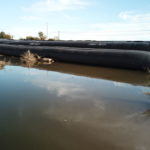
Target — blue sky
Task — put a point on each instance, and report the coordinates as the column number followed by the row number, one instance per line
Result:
column 77, row 19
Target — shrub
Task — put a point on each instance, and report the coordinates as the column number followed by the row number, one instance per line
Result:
column 42, row 36
column 31, row 38
column 3, row 35
column 28, row 57
column 51, row 39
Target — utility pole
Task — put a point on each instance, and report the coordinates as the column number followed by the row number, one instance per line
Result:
column 47, row 30
column 58, row 35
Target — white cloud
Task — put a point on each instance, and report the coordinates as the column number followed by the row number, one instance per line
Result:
column 132, row 16
column 59, row 87
column 113, row 31
column 101, row 31
column 30, row 18
column 57, row 5
column 23, row 31
column 132, row 26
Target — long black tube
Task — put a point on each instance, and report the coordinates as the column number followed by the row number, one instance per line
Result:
column 129, row 45
column 130, row 59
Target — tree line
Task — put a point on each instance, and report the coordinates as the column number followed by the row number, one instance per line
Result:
column 40, row 36
column 3, row 35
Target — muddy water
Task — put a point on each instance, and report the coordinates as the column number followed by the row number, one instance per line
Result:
column 72, row 107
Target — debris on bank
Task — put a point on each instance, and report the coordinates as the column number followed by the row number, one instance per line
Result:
column 3, row 63
column 29, row 57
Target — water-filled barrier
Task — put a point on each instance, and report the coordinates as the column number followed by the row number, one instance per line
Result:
column 130, row 45
column 129, row 55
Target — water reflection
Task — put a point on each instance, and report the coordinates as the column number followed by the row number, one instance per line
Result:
column 119, row 75
column 3, row 62
column 2, row 65
column 42, row 110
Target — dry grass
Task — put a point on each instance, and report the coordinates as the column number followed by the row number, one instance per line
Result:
column 28, row 57
column 3, row 64
column 31, row 59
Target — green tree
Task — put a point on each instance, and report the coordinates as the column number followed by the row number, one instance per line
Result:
column 3, row 35
column 42, row 36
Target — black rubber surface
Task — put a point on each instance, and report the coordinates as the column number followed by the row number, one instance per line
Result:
column 129, row 45
column 130, row 59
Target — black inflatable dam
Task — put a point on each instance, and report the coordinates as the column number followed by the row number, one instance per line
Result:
column 120, row 58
